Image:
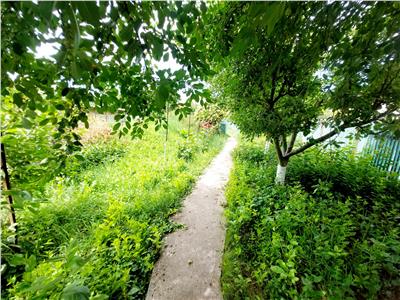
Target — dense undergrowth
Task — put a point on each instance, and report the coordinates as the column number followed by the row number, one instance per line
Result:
column 99, row 233
column 331, row 233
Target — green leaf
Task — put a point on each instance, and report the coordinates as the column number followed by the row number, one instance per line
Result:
column 126, row 32
column 26, row 123
column 189, row 27
column 79, row 157
column 64, row 91
column 75, row 292
column 158, row 48
column 44, row 122
column 116, row 126
column 89, row 12
column 59, row 106
column 277, row 269
column 75, row 263
column 180, row 74
column 163, row 91
column 166, row 57
column 275, row 12
column 45, row 9
column 17, row 260
column 99, row 297
column 114, row 13
column 198, row 85
column 32, row 104
column 18, row 100
column 134, row 290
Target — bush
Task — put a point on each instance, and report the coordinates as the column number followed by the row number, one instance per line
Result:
column 331, row 233
column 194, row 144
column 32, row 159
column 210, row 117
column 98, row 237
column 186, row 151
column 99, row 151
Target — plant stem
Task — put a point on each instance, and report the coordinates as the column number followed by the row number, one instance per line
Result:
column 7, row 187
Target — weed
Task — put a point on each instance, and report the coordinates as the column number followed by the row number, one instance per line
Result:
column 99, row 233
column 331, row 233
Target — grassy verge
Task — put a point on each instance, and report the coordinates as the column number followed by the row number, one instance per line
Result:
column 100, row 232
column 331, row 233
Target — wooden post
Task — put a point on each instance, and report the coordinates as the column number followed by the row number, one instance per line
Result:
column 166, row 130
column 7, row 187
column 189, row 125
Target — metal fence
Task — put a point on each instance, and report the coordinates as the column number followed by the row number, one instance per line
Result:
column 385, row 153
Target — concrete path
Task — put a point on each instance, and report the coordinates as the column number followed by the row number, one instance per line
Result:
column 189, row 267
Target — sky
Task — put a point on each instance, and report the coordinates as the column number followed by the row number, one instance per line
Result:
column 47, row 50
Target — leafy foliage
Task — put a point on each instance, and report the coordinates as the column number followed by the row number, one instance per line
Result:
column 282, row 65
column 210, row 116
column 105, row 56
column 99, row 151
column 331, row 233
column 98, row 237
column 193, row 144
column 35, row 156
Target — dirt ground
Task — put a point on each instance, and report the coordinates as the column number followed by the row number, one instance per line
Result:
column 190, row 265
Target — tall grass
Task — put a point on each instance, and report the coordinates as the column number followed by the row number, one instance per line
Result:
column 100, row 232
column 331, row 233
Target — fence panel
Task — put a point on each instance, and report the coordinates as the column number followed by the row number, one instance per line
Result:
column 385, row 153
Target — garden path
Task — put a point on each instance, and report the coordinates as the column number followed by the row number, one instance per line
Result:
column 190, row 264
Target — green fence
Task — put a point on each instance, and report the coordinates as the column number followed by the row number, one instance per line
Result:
column 385, row 153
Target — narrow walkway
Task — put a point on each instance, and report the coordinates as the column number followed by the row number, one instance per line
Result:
column 189, row 267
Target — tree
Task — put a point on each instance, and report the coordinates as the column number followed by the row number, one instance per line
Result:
column 105, row 61
column 105, row 58
column 283, row 65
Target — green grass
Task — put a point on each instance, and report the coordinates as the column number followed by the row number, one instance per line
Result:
column 101, row 230
column 331, row 233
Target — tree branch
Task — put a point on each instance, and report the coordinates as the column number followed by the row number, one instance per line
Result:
column 7, row 187
column 313, row 142
column 281, row 92
column 272, row 95
column 284, row 144
column 335, row 131
column 291, row 143
column 278, row 149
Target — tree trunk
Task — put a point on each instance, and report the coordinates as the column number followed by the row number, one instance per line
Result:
column 267, row 144
column 7, row 187
column 283, row 161
column 281, row 172
column 188, row 135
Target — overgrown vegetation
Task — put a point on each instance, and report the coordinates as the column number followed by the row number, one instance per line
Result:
column 332, row 233
column 283, row 65
column 210, row 117
column 99, row 233
column 92, row 222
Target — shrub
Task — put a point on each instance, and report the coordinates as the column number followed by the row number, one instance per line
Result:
column 194, row 144
column 100, row 151
column 98, row 237
column 331, row 233
column 209, row 117
column 32, row 159
column 186, row 151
